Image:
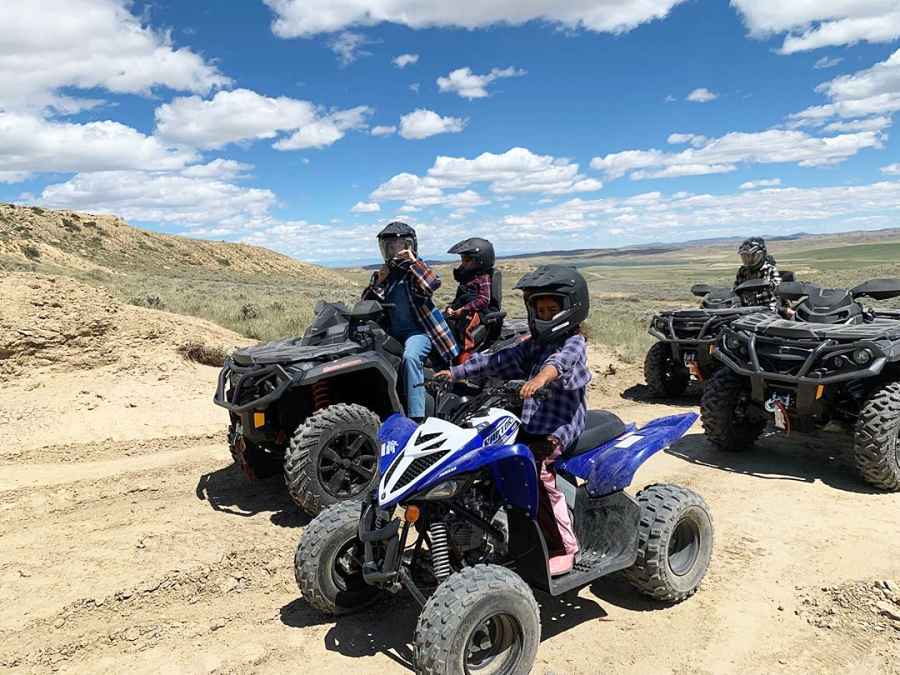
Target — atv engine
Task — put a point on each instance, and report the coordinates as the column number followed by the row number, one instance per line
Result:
column 470, row 543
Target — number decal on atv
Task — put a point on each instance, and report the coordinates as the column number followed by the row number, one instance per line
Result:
column 388, row 448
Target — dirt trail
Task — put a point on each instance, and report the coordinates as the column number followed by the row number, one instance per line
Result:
column 141, row 549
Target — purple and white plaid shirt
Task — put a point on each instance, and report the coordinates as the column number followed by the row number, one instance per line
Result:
column 562, row 414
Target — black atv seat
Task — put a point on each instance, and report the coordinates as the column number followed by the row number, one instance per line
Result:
column 828, row 305
column 600, row 426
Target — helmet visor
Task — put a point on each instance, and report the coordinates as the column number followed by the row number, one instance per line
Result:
column 546, row 306
column 391, row 246
column 751, row 258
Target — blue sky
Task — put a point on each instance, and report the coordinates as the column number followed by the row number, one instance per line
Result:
column 292, row 124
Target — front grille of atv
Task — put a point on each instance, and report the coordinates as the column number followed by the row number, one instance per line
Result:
column 781, row 358
column 688, row 328
column 419, row 466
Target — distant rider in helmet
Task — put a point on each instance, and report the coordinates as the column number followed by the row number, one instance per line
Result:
column 407, row 282
column 555, row 357
column 756, row 263
column 473, row 295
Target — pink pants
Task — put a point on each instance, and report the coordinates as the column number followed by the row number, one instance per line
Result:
column 553, row 515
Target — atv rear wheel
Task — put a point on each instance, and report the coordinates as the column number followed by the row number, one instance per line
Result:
column 664, row 375
column 729, row 418
column 876, row 439
column 253, row 460
column 483, row 618
column 333, row 457
column 675, row 541
column 328, row 562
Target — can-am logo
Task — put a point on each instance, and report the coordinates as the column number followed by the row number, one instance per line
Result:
column 499, row 434
column 388, row 448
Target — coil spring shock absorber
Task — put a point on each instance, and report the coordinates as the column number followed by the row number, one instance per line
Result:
column 321, row 395
column 440, row 552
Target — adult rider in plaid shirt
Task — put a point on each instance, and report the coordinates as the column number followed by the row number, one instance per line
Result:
column 555, row 356
column 407, row 283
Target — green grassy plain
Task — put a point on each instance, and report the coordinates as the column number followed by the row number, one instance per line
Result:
column 265, row 296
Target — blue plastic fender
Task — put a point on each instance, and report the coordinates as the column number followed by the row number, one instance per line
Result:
column 511, row 466
column 393, row 434
column 612, row 466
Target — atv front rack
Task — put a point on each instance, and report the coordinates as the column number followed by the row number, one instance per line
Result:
column 274, row 375
column 806, row 366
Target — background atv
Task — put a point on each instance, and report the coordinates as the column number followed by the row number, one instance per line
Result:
column 467, row 545
column 686, row 337
column 313, row 405
column 838, row 365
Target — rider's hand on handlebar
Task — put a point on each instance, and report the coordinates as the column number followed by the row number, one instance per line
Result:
column 443, row 375
column 531, row 387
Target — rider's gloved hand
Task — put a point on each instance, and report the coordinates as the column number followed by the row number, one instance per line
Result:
column 443, row 375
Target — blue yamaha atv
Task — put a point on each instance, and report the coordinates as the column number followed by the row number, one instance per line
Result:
column 453, row 521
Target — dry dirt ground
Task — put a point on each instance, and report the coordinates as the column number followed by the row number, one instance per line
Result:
column 128, row 542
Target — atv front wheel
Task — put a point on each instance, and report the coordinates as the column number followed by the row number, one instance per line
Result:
column 664, row 375
column 333, row 457
column 483, row 618
column 328, row 562
column 250, row 458
column 876, row 439
column 729, row 418
column 675, row 541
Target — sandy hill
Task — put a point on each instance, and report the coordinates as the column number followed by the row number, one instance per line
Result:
column 67, row 240
column 57, row 323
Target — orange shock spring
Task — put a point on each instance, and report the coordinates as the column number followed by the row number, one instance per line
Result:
column 321, row 395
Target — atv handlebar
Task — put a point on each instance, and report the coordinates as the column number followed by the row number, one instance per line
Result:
column 507, row 389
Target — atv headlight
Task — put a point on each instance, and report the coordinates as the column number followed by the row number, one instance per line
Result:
column 660, row 324
column 838, row 362
column 732, row 342
column 861, row 357
column 445, row 490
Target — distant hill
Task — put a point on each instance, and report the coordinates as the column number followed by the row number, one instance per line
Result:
column 64, row 241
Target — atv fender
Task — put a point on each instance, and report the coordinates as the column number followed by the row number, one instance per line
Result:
column 612, row 466
column 355, row 363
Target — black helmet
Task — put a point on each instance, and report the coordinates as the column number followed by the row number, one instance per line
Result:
column 569, row 287
column 753, row 252
column 481, row 250
column 395, row 237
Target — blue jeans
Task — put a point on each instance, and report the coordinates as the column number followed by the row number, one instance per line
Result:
column 415, row 348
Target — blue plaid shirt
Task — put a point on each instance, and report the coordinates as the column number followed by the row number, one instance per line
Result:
column 562, row 414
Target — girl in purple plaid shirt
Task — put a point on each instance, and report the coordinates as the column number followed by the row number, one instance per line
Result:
column 557, row 301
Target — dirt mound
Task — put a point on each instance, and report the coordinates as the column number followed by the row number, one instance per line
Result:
column 56, row 322
column 61, row 241
column 864, row 606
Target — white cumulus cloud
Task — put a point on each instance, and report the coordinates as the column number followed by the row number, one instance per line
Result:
column 50, row 45
column 891, row 169
column 366, row 207
column 467, row 84
column 765, row 182
column 701, row 95
column 244, row 115
column 161, row 198
column 872, row 91
column 33, row 144
column 724, row 154
column 405, row 60
column 304, row 18
column 220, row 169
column 383, row 130
column 422, row 123
column 812, row 24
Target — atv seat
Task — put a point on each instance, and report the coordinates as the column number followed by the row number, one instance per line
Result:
column 828, row 305
column 600, row 426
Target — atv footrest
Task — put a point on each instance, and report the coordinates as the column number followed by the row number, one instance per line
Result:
column 591, row 565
